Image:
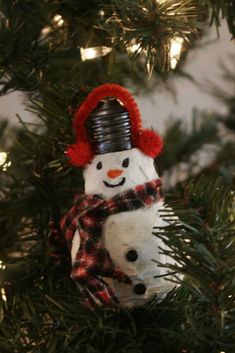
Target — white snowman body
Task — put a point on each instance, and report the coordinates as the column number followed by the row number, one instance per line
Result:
column 128, row 236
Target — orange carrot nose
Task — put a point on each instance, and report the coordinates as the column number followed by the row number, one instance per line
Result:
column 114, row 173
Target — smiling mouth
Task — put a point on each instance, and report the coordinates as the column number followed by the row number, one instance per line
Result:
column 114, row 185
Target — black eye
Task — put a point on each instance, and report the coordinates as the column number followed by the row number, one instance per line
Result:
column 125, row 163
column 99, row 165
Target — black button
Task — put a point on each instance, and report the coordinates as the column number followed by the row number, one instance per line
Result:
column 139, row 288
column 132, row 255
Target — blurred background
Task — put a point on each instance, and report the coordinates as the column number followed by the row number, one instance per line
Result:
column 159, row 107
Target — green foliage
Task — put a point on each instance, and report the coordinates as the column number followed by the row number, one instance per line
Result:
column 203, row 248
column 180, row 144
column 219, row 9
column 211, row 137
column 42, row 311
column 226, row 96
column 38, row 53
column 35, row 60
column 39, row 182
column 151, row 25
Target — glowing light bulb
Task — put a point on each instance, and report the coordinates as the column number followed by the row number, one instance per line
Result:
column 133, row 48
column 2, row 266
column 175, row 51
column 101, row 13
column 45, row 31
column 2, row 290
column 3, row 158
column 58, row 20
column 94, row 52
column 3, row 295
column 4, row 165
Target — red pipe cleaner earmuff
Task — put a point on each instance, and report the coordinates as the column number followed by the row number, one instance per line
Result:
column 148, row 141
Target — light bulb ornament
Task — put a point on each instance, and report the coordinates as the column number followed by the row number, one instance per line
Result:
column 109, row 228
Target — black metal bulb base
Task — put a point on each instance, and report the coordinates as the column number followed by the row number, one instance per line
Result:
column 109, row 127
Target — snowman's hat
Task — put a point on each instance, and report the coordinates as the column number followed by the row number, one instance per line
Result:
column 109, row 121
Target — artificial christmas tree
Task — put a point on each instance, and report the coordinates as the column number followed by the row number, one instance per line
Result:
column 57, row 52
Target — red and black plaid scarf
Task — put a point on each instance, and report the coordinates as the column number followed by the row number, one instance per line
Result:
column 92, row 261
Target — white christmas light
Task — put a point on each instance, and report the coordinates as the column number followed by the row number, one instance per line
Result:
column 3, row 158
column 3, row 295
column 175, row 50
column 45, row 30
column 94, row 52
column 2, row 290
column 101, row 13
column 58, row 20
column 4, row 165
column 2, row 266
column 133, row 48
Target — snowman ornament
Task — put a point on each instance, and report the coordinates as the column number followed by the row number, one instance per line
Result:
column 110, row 230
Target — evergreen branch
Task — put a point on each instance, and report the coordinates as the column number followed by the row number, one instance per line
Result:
column 151, row 25
column 202, row 244
column 208, row 147
column 220, row 9
column 204, row 131
column 44, row 303
column 29, row 54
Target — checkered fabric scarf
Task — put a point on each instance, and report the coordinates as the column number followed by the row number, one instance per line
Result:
column 92, row 261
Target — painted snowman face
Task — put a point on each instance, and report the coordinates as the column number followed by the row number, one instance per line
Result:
column 112, row 173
